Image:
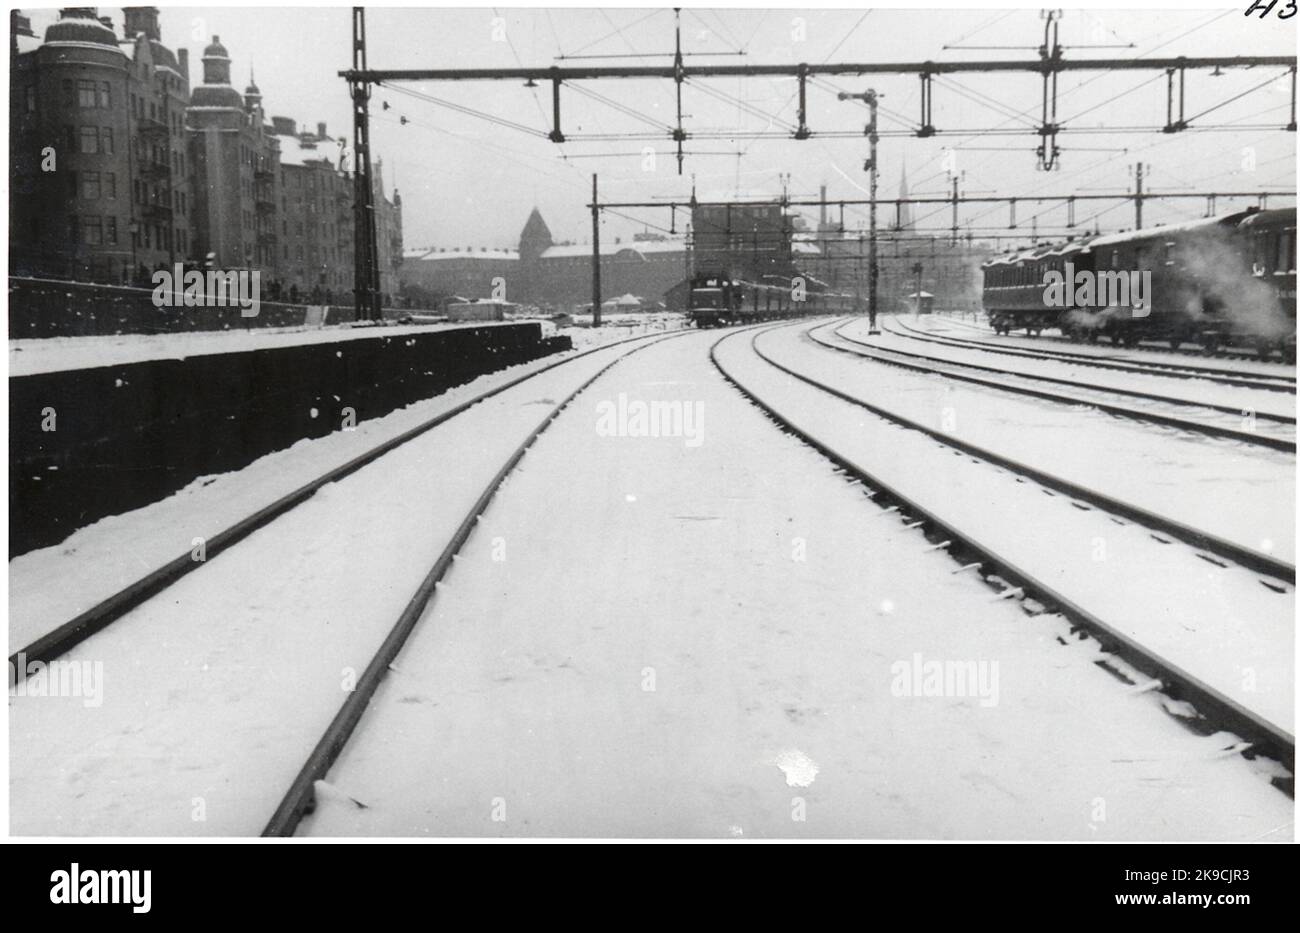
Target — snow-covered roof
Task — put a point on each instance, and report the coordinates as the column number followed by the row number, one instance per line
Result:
column 440, row 255
column 643, row 247
column 1187, row 227
column 293, row 152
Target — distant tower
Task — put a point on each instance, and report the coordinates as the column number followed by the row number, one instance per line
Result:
column 217, row 117
column 535, row 239
column 253, row 96
column 904, row 210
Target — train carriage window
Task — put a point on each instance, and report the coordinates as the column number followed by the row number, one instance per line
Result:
column 1169, row 252
column 1285, row 255
column 1114, row 259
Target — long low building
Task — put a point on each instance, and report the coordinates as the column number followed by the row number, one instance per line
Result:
column 545, row 273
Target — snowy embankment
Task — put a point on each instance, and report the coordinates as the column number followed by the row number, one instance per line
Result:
column 56, row 354
column 719, row 640
column 49, row 586
column 1179, row 474
column 214, row 693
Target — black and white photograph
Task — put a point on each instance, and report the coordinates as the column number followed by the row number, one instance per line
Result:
column 709, row 423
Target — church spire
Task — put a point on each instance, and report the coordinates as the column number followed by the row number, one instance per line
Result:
column 904, row 210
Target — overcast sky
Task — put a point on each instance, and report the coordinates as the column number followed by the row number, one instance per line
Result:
column 469, row 182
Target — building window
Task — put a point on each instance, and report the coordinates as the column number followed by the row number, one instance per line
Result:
column 89, row 139
column 94, row 230
column 90, row 186
column 110, row 185
column 86, row 94
column 110, row 231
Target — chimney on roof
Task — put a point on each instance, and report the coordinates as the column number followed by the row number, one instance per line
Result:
column 141, row 19
column 320, row 129
column 183, row 58
column 282, row 126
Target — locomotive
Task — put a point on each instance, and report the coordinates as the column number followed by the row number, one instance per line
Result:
column 1217, row 281
column 718, row 299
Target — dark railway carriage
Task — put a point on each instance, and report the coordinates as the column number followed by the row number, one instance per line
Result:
column 1221, row 280
column 717, row 299
column 1269, row 238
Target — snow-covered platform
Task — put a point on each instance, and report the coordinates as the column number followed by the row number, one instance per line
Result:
column 105, row 425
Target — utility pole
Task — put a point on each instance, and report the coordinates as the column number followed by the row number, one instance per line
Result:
column 595, row 255
column 1137, row 197
column 873, row 271
column 955, row 202
column 365, row 284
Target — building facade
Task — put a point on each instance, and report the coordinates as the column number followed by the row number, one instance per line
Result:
column 120, row 168
column 71, row 172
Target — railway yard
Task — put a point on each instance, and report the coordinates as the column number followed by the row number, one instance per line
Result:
column 785, row 579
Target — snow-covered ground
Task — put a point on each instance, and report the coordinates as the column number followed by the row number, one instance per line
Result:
column 717, row 640
column 1185, row 476
column 1217, row 623
column 47, row 587
column 964, row 328
column 708, row 633
column 1241, row 399
column 217, row 690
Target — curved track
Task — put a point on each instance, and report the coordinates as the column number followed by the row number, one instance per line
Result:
column 64, row 637
column 1152, row 346
column 966, row 546
column 1232, row 377
column 946, row 368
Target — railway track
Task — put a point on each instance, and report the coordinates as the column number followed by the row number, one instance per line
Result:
column 969, row 551
column 1243, row 354
column 945, row 367
column 1219, row 375
column 68, row 635
column 299, row 800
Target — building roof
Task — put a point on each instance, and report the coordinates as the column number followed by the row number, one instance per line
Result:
column 216, row 50
column 80, row 25
column 294, row 152
column 216, row 95
column 427, row 254
column 642, row 248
